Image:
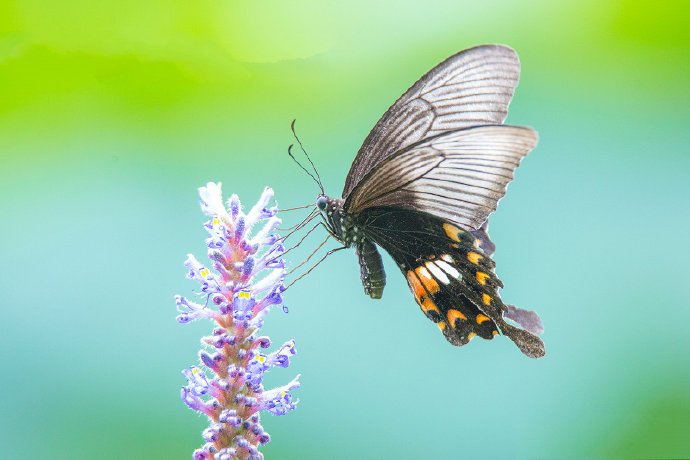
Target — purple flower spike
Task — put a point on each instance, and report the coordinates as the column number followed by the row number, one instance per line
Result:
column 198, row 384
column 195, row 403
column 212, row 433
column 263, row 341
column 278, row 401
column 242, row 304
column 248, row 267
column 200, row 454
column 275, row 297
column 234, row 206
column 281, row 357
column 244, row 281
column 226, row 454
column 190, row 311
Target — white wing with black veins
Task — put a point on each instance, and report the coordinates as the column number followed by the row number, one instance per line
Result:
column 470, row 88
column 458, row 176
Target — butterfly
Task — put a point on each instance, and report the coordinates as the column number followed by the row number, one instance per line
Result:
column 422, row 187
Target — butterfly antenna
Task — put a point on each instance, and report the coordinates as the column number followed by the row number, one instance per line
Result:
column 294, row 133
column 305, row 169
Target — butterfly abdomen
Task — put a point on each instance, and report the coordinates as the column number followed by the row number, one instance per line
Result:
column 371, row 269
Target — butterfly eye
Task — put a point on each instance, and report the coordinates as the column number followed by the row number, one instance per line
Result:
column 322, row 202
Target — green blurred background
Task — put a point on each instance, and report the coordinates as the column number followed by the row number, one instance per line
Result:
column 113, row 113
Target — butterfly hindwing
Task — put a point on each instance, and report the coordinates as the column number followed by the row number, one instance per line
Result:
column 455, row 315
column 451, row 278
column 483, row 240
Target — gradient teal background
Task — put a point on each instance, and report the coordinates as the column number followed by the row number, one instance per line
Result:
column 113, row 113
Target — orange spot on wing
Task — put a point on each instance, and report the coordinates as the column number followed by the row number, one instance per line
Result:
column 494, row 332
column 441, row 325
column 481, row 277
column 452, row 231
column 415, row 285
column 420, row 293
column 486, row 298
column 470, row 336
column 428, row 305
column 453, row 315
column 429, row 281
column 474, row 257
column 482, row 318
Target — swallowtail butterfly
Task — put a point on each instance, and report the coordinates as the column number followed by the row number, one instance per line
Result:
column 422, row 187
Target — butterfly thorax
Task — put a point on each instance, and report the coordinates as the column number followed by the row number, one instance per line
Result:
column 339, row 221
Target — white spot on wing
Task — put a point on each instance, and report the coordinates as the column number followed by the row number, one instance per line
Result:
column 448, row 269
column 424, row 272
column 438, row 273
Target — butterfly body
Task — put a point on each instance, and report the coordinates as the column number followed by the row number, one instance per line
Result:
column 422, row 188
column 349, row 231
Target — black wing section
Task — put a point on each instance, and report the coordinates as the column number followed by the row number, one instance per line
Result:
column 457, row 177
column 471, row 88
column 452, row 279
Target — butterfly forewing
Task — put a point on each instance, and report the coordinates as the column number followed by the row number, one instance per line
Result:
column 458, row 176
column 473, row 87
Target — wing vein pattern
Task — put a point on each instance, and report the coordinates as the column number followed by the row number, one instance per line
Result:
column 457, row 176
column 473, row 87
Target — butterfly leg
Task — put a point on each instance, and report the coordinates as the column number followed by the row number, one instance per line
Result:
column 313, row 266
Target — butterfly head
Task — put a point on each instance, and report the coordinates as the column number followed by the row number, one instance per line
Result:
column 322, row 202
